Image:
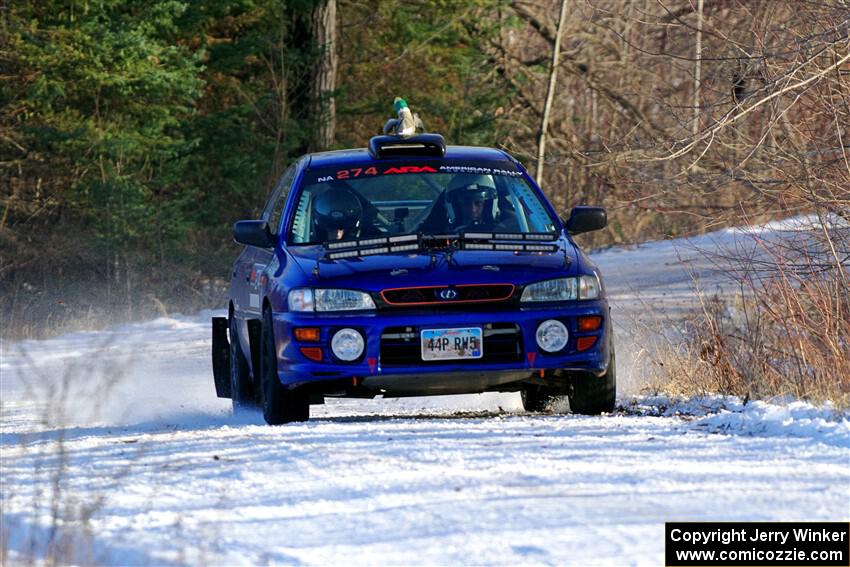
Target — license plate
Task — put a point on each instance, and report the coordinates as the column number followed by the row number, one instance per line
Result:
column 447, row 344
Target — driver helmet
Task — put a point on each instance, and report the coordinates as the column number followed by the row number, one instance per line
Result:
column 467, row 188
column 338, row 209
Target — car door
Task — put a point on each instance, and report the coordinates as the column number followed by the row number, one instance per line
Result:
column 262, row 257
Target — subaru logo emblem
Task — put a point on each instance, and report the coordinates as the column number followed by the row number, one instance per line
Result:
column 448, row 294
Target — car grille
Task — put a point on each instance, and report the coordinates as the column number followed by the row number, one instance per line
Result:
column 447, row 295
column 400, row 346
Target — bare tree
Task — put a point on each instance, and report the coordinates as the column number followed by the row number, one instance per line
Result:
column 550, row 93
column 323, row 84
column 698, row 67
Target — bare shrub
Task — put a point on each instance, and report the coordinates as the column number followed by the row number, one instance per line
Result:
column 787, row 334
column 51, row 523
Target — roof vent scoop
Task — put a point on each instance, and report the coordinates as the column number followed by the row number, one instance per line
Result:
column 420, row 145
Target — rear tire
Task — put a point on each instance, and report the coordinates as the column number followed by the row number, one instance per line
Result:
column 592, row 395
column 241, row 387
column 279, row 404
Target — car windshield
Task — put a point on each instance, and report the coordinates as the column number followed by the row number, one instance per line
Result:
column 386, row 200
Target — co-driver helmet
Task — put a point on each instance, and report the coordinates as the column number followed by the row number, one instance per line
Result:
column 466, row 187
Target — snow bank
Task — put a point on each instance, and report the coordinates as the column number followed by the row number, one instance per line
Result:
column 729, row 415
column 794, row 224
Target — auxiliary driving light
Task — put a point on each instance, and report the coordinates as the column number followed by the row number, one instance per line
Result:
column 347, row 344
column 552, row 335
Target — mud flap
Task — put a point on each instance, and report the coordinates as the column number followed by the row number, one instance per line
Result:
column 221, row 357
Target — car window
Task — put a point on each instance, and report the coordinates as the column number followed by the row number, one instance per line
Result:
column 371, row 201
column 274, row 207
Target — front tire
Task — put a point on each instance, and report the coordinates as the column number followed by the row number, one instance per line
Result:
column 279, row 404
column 592, row 395
column 536, row 398
column 241, row 387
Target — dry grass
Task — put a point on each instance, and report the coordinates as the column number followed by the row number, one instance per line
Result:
column 63, row 306
column 52, row 523
column 786, row 334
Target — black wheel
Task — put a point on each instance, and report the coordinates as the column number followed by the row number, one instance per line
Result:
column 241, row 388
column 279, row 404
column 592, row 395
column 536, row 398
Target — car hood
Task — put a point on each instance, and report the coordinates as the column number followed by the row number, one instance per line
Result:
column 382, row 271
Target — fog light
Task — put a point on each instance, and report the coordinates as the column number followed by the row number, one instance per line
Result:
column 552, row 335
column 584, row 343
column 347, row 344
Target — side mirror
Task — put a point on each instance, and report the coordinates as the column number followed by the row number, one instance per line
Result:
column 586, row 219
column 253, row 233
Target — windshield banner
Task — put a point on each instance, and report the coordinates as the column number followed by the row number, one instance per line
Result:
column 505, row 169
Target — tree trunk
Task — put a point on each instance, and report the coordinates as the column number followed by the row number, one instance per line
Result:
column 697, row 69
column 550, row 94
column 324, row 32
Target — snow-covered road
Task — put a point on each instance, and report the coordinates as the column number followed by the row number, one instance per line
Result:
column 119, row 435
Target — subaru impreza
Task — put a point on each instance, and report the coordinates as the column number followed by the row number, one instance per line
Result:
column 413, row 268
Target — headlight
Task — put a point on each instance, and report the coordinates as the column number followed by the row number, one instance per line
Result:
column 342, row 300
column 347, row 344
column 324, row 300
column 562, row 289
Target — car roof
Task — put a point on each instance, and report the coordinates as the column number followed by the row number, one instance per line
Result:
column 361, row 155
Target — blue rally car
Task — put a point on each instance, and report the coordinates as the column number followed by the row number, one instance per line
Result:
column 407, row 269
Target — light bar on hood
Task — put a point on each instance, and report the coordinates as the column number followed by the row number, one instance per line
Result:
column 502, row 241
column 516, row 236
column 511, row 247
column 378, row 241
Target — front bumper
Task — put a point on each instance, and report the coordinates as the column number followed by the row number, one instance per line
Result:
column 373, row 371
